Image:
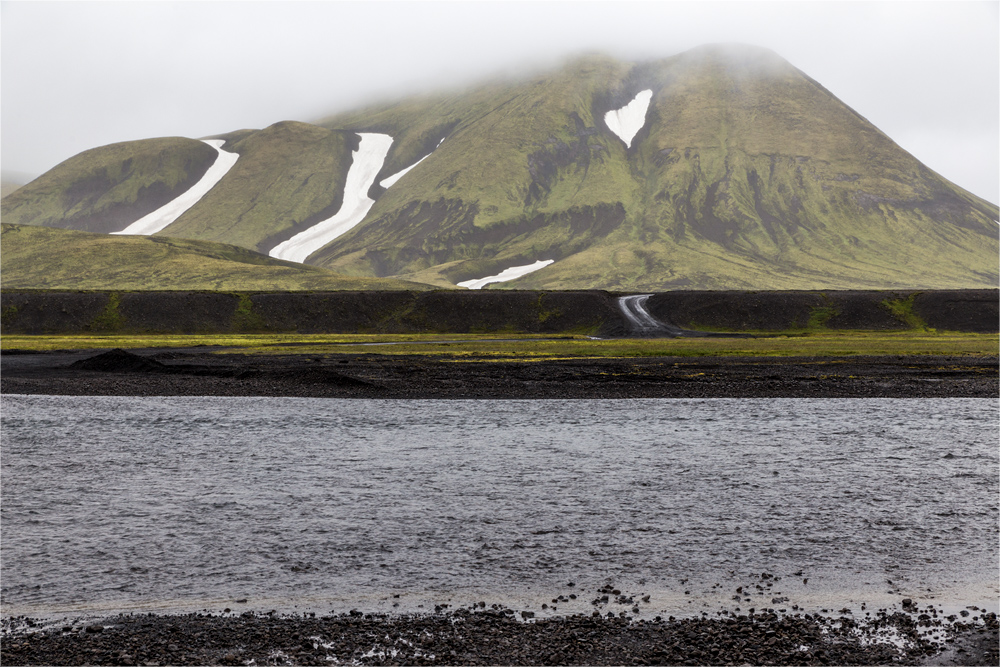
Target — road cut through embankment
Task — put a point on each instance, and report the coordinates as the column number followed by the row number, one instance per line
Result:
column 591, row 312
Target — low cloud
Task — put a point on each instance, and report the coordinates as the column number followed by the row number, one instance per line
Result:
column 79, row 75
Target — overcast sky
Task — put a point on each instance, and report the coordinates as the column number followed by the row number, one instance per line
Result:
column 83, row 74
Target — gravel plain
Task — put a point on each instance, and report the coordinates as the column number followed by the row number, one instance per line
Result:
column 485, row 635
column 198, row 372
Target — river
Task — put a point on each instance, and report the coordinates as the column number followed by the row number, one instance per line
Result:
column 175, row 504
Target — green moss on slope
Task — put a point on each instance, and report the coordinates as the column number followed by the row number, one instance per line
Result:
column 903, row 310
column 43, row 258
column 747, row 175
column 109, row 319
column 244, row 319
column 108, row 188
column 288, row 177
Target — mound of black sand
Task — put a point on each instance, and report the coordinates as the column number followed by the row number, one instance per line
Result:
column 118, row 361
column 496, row 636
column 122, row 361
column 318, row 376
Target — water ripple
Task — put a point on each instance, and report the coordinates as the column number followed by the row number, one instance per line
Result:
column 131, row 499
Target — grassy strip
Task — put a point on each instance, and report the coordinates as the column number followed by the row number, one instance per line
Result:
column 460, row 347
column 265, row 343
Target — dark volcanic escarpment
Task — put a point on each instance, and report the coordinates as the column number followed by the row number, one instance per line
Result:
column 745, row 173
column 966, row 310
column 488, row 311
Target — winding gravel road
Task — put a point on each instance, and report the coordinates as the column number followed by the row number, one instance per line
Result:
column 642, row 323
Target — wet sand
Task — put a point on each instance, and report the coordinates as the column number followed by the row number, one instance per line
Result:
column 198, row 372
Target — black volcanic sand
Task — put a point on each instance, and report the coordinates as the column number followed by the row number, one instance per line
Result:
column 480, row 635
column 198, row 372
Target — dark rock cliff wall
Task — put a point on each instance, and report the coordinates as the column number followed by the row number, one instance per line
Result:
column 26, row 312
column 452, row 311
column 944, row 310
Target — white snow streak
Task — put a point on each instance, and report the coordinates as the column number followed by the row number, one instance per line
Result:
column 391, row 180
column 368, row 160
column 627, row 121
column 166, row 214
column 512, row 273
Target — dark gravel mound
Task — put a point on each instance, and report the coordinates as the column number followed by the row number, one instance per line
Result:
column 119, row 361
column 316, row 376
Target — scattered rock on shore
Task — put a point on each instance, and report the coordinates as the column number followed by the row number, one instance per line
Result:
column 494, row 636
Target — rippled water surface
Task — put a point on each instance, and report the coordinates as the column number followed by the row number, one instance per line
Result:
column 181, row 503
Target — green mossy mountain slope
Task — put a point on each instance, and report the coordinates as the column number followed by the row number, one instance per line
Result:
column 746, row 174
column 288, row 177
column 44, row 258
column 108, row 188
column 518, row 159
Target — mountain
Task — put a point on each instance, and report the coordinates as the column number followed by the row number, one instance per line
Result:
column 723, row 167
column 11, row 181
column 44, row 258
column 106, row 189
column 8, row 187
column 288, row 177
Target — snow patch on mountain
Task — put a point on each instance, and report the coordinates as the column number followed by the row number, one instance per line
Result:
column 175, row 208
column 367, row 162
column 391, row 180
column 512, row 273
column 627, row 121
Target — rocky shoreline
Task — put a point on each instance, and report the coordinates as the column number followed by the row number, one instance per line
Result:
column 198, row 372
column 496, row 635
